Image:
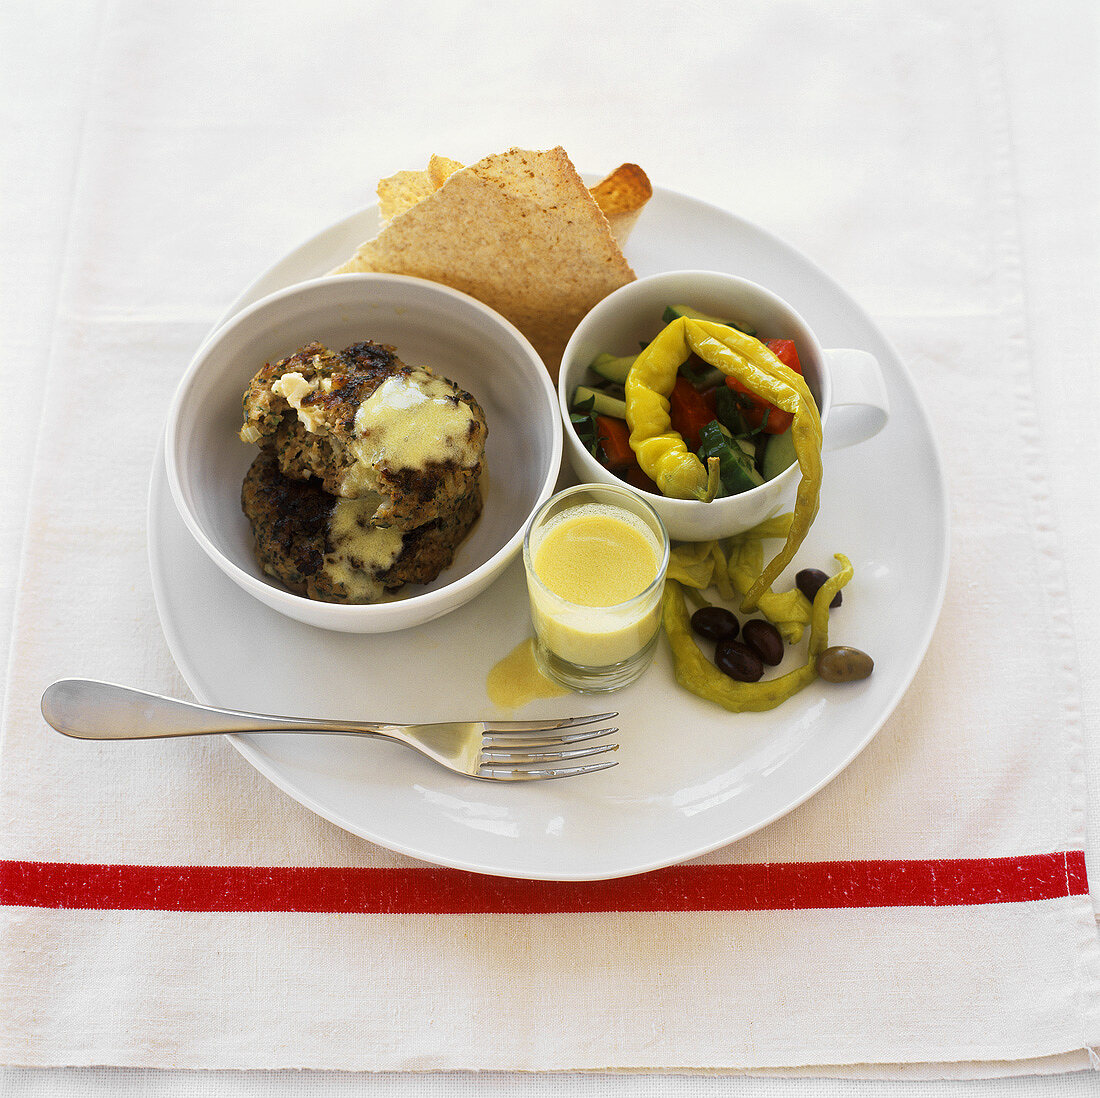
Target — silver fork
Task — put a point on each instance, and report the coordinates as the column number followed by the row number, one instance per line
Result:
column 507, row 751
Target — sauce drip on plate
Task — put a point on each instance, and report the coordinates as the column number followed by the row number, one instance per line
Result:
column 517, row 680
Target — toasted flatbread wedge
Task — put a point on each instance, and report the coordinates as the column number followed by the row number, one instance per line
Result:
column 621, row 196
column 517, row 230
column 400, row 192
column 403, row 190
column 441, row 168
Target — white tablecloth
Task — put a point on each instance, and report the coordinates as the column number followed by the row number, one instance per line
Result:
column 930, row 157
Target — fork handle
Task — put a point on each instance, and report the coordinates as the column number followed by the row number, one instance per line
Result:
column 90, row 710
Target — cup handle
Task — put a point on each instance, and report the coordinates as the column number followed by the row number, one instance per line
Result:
column 860, row 405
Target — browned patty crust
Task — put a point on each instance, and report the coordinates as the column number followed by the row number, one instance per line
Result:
column 341, row 381
column 298, row 543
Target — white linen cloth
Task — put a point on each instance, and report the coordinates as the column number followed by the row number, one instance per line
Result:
column 170, row 153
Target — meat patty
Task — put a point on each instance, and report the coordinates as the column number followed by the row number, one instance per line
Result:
column 408, row 443
column 325, row 547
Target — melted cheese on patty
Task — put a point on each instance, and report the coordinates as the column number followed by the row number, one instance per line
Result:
column 294, row 389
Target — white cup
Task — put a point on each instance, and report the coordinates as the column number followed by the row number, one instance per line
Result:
column 846, row 384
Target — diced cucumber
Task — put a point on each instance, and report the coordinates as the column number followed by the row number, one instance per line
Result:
column 674, row 312
column 737, row 471
column 602, row 404
column 752, row 475
column 778, row 454
column 612, row 368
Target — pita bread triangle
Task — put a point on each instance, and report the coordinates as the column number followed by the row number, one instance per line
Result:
column 519, row 231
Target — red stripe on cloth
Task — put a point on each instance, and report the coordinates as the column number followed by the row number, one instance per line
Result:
column 768, row 887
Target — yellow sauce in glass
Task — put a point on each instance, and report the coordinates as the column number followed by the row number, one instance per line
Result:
column 594, row 559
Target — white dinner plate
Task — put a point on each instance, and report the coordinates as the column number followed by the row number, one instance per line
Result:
column 691, row 776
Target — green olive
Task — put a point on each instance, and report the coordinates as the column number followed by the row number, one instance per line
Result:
column 843, row 664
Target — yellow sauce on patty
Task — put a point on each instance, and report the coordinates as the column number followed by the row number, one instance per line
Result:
column 408, row 422
column 361, row 553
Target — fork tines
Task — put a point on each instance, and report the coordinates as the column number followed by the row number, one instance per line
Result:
column 530, row 750
column 517, row 741
column 544, row 725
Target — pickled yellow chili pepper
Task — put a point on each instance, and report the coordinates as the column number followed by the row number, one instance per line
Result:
column 663, row 454
column 778, row 526
column 789, row 611
column 697, row 564
column 703, row 564
column 694, row 672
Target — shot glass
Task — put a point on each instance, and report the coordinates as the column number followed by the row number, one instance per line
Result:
column 595, row 557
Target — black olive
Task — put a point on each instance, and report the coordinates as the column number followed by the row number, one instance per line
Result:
column 809, row 581
column 738, row 661
column 714, row 622
column 764, row 639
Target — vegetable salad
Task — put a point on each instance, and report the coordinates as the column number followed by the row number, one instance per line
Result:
column 715, row 414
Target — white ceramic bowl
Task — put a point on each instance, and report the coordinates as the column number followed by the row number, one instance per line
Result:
column 428, row 324
column 633, row 313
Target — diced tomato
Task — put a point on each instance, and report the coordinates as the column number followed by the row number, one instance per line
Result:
column 778, row 420
column 690, row 411
column 617, row 457
column 786, row 352
column 614, row 436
